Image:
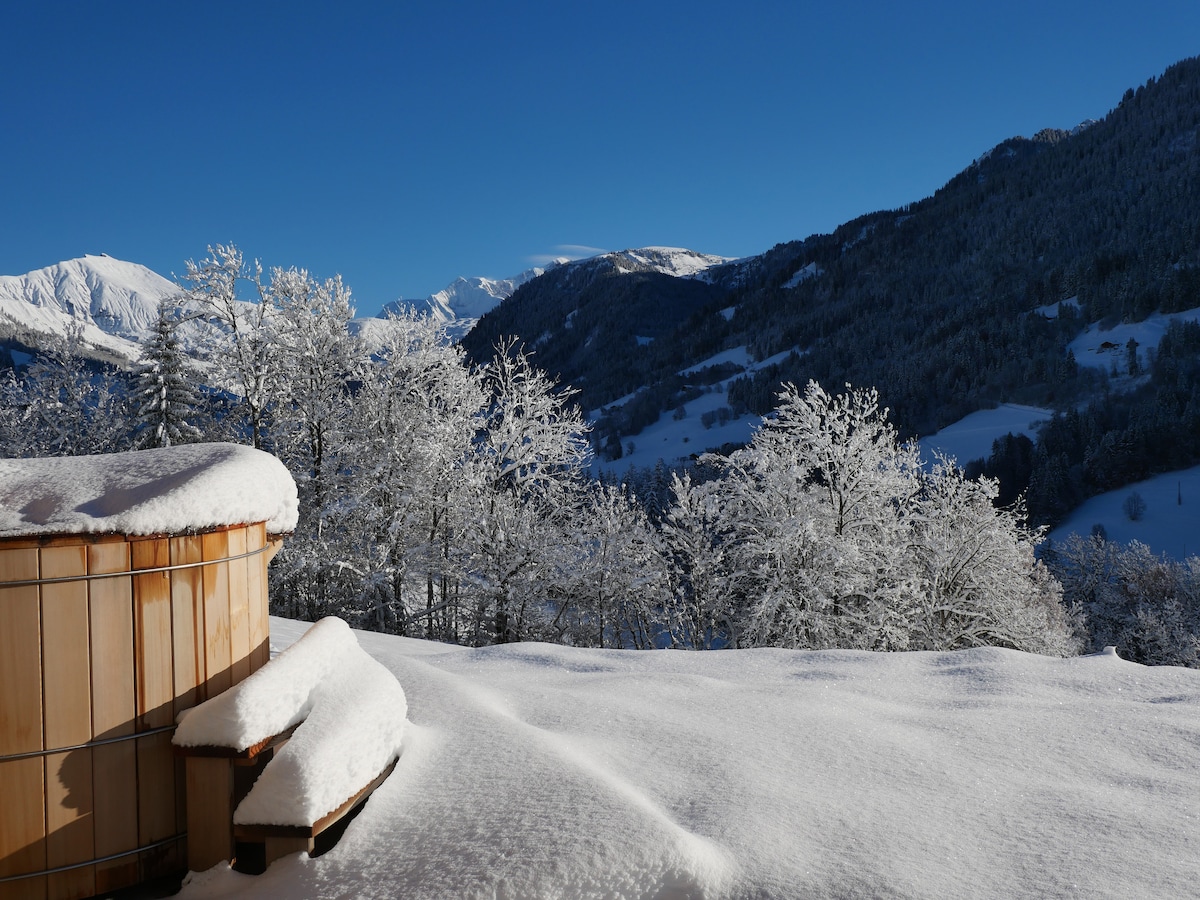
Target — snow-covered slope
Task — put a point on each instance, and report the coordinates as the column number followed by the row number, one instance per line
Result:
column 536, row 771
column 1101, row 348
column 971, row 438
column 669, row 260
column 1170, row 523
column 114, row 301
column 674, row 438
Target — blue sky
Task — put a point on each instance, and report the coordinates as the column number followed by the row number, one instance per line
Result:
column 404, row 144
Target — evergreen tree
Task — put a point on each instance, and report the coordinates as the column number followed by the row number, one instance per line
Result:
column 164, row 397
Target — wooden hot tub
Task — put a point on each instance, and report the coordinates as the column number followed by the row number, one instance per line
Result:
column 104, row 639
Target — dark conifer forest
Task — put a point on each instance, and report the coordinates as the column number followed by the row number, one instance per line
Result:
column 936, row 304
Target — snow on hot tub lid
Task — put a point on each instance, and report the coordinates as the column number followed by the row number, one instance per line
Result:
column 174, row 490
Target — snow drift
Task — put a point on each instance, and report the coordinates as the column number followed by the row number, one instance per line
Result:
column 350, row 713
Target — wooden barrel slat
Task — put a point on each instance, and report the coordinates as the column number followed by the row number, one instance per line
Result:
column 20, row 654
column 256, row 596
column 22, row 781
column 114, row 708
column 239, row 606
column 218, row 657
column 187, row 617
column 67, row 680
column 152, row 634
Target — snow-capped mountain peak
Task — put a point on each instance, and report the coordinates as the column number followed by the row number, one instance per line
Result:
column 461, row 303
column 116, row 302
column 677, row 261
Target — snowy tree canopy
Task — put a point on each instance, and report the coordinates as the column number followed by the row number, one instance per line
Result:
column 831, row 534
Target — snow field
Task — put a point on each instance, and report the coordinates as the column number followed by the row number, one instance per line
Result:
column 674, row 440
column 1101, row 349
column 972, row 436
column 1167, row 526
column 537, row 771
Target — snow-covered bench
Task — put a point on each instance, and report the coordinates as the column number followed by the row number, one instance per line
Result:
column 290, row 751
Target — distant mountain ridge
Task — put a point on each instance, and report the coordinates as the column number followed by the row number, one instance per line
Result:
column 591, row 321
column 459, row 305
column 934, row 302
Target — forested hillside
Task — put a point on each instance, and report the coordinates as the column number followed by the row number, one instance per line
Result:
column 936, row 303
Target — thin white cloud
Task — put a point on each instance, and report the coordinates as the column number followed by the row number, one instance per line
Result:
column 579, row 251
column 567, row 251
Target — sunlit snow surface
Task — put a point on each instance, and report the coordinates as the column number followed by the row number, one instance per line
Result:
column 171, row 490
column 115, row 302
column 351, row 715
column 532, row 771
column 674, row 440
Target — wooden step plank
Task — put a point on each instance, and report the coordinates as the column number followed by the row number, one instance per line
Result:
column 253, row 751
column 209, row 811
column 261, row 832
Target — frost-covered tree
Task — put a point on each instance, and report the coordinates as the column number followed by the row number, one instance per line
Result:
column 239, row 334
column 982, row 584
column 832, row 535
column 313, row 432
column 65, row 404
column 164, row 396
column 703, row 569
column 822, row 499
column 614, row 585
column 319, row 362
column 403, row 514
column 1146, row 606
column 528, row 456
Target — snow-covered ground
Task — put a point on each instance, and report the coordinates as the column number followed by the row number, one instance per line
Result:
column 971, row 437
column 1102, row 349
column 675, row 440
column 532, row 771
column 1168, row 526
